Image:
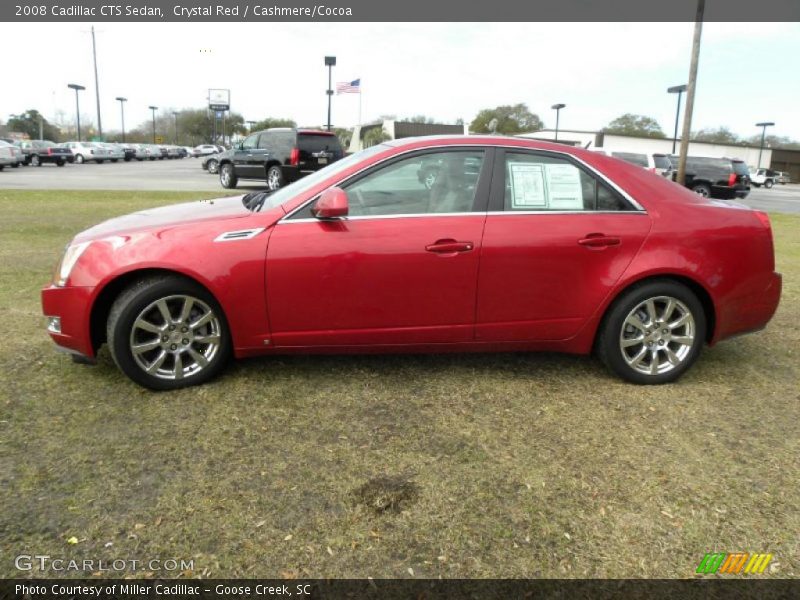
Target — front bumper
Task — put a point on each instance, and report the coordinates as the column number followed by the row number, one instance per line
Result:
column 72, row 306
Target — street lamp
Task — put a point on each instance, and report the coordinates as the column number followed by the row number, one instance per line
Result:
column 330, row 62
column 763, row 134
column 122, row 109
column 174, row 114
column 677, row 89
column 154, row 109
column 77, row 88
column 557, row 108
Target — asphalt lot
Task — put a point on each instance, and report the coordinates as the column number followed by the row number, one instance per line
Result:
column 187, row 175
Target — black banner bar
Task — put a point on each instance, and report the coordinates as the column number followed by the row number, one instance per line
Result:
column 389, row 589
column 265, row 11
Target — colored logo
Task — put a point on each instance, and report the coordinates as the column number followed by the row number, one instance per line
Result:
column 735, row 563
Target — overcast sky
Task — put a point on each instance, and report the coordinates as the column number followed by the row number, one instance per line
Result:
column 446, row 71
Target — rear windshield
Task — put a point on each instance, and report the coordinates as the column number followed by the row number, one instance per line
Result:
column 314, row 142
column 740, row 168
column 632, row 157
column 661, row 161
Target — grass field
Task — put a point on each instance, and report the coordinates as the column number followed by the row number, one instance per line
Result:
column 389, row 466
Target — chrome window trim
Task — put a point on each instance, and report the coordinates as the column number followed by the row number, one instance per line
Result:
column 639, row 209
column 491, row 213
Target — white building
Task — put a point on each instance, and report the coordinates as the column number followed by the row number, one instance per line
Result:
column 644, row 145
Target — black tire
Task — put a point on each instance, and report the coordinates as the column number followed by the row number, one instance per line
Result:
column 137, row 298
column 609, row 344
column 703, row 189
column 35, row 161
column 227, row 176
column 768, row 183
column 114, row 159
column 212, row 166
column 61, row 163
column 2, row 167
column 79, row 159
column 15, row 165
column 756, row 184
column 275, row 179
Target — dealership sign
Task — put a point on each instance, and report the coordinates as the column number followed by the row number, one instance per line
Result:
column 219, row 99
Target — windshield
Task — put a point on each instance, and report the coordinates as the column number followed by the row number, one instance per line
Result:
column 306, row 183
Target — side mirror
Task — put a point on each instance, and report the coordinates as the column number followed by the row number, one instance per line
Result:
column 332, row 204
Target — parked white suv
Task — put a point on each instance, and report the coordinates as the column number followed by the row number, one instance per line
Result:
column 765, row 177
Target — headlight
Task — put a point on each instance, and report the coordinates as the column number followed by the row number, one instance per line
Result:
column 71, row 256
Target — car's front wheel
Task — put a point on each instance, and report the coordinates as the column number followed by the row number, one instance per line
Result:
column 212, row 166
column 167, row 332
column 35, row 161
column 79, row 159
column 653, row 333
column 227, row 176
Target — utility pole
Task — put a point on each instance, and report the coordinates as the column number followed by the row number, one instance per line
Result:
column 687, row 115
column 96, row 86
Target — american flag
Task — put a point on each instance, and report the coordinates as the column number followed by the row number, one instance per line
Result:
column 348, row 87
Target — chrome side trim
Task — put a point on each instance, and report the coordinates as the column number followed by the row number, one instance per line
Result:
column 591, row 169
column 491, row 213
column 240, row 234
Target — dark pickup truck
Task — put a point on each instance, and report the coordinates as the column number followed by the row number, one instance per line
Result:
column 38, row 152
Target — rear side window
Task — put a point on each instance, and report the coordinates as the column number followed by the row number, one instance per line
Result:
column 661, row 161
column 631, row 157
column 740, row 168
column 536, row 182
column 311, row 143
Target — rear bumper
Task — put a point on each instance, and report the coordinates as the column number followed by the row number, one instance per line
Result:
column 71, row 305
column 752, row 312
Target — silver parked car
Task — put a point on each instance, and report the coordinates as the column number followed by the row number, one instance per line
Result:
column 10, row 155
column 87, row 151
column 115, row 152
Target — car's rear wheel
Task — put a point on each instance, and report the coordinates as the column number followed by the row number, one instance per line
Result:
column 212, row 166
column 79, row 159
column 227, row 176
column 167, row 332
column 653, row 333
column 768, row 183
column 703, row 189
column 274, row 178
column 35, row 161
column 60, row 163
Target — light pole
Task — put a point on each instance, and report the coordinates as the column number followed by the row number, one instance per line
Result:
column 154, row 109
column 330, row 62
column 122, row 110
column 557, row 108
column 677, row 89
column 96, row 86
column 174, row 114
column 77, row 88
column 763, row 134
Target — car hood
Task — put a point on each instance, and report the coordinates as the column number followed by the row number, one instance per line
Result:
column 169, row 216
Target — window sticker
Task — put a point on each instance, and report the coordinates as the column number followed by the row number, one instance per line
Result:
column 527, row 186
column 564, row 187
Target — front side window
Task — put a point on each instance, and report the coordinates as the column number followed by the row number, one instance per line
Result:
column 250, row 142
column 536, row 182
column 441, row 182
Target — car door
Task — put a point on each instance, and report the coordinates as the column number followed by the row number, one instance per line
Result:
column 243, row 157
column 557, row 239
column 401, row 268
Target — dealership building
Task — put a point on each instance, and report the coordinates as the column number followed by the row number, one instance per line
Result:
column 778, row 159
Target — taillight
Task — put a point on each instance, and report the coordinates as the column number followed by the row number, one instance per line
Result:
column 764, row 218
column 49, row 150
column 294, row 157
column 732, row 179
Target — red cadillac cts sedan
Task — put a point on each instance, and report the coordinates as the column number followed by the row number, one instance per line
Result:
column 433, row 244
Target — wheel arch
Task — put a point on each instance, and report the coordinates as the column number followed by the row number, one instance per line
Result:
column 101, row 307
column 706, row 301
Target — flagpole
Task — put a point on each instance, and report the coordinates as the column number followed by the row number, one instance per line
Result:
column 360, row 92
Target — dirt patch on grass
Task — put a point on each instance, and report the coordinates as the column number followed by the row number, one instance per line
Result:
column 387, row 494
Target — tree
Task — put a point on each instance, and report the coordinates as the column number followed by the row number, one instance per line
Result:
column 774, row 141
column 374, row 136
column 722, row 135
column 30, row 122
column 271, row 122
column 510, row 120
column 419, row 119
column 344, row 135
column 638, row 125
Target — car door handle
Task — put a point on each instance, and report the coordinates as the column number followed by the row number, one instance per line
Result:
column 599, row 240
column 449, row 247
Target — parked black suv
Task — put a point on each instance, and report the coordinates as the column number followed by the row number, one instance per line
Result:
column 279, row 156
column 722, row 178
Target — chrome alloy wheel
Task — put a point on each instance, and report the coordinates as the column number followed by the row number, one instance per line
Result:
column 175, row 337
column 273, row 179
column 657, row 335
